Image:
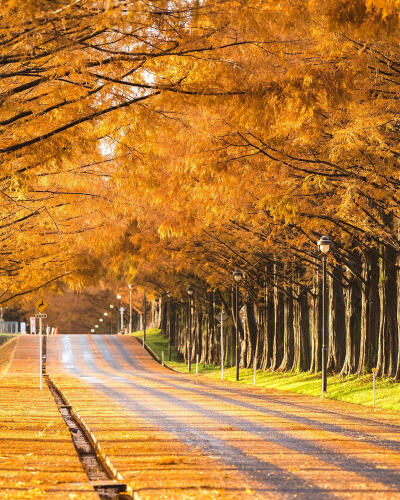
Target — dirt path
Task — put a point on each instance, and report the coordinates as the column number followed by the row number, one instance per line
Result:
column 270, row 445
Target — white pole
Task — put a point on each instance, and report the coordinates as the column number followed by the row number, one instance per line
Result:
column 40, row 353
column 222, row 344
column 144, row 336
column 162, row 358
column 197, row 364
column 373, row 385
column 130, row 310
column 121, row 321
column 255, row 370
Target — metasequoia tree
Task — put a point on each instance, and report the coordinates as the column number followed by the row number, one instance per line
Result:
column 75, row 77
column 308, row 147
column 175, row 141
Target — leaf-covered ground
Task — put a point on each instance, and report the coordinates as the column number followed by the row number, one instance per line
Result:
column 37, row 456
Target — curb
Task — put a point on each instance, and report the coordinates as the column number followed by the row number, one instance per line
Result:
column 156, row 357
column 103, row 458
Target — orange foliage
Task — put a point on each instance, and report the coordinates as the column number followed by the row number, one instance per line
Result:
column 169, row 141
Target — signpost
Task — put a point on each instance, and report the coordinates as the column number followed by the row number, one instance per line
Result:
column 221, row 317
column 41, row 305
column 373, row 385
column 32, row 320
column 40, row 316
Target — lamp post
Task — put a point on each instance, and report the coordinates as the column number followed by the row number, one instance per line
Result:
column 156, row 312
column 105, row 314
column 324, row 245
column 190, row 292
column 237, row 276
column 111, row 318
column 169, row 324
column 130, row 308
column 144, row 318
column 119, row 309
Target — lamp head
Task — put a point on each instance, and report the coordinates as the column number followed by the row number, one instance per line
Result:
column 119, row 297
column 105, row 314
column 237, row 275
column 190, row 290
column 324, row 244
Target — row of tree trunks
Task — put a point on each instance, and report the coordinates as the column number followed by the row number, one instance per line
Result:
column 282, row 330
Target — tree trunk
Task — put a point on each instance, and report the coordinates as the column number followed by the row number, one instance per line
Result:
column 369, row 311
column 301, row 331
column 253, row 332
column 268, row 322
column 352, row 324
column 387, row 339
column 336, row 321
column 316, row 323
column 278, row 323
column 288, row 337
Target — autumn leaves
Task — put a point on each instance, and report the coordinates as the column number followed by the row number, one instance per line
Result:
column 171, row 143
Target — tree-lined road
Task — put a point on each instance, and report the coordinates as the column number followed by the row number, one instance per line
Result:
column 235, row 442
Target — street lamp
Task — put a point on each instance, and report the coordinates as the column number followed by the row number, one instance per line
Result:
column 92, row 330
column 119, row 308
column 169, row 324
column 105, row 314
column 324, row 245
column 190, row 292
column 237, row 276
column 111, row 318
column 130, row 308
column 144, row 318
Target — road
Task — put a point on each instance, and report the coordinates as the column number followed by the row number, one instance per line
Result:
column 233, row 442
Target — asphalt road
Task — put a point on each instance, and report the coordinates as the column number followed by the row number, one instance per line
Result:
column 273, row 444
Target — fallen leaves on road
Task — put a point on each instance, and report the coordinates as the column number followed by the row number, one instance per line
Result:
column 38, row 458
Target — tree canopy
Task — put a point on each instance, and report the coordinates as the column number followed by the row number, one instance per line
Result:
column 169, row 142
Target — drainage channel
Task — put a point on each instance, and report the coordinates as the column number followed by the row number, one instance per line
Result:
column 99, row 473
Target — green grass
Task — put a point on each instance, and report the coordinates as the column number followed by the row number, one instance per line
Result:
column 5, row 337
column 158, row 343
column 353, row 389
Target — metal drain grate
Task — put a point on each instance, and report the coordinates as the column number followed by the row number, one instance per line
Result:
column 99, row 475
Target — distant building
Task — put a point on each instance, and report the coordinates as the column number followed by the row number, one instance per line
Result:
column 12, row 327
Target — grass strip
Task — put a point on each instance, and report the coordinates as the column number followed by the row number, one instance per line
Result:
column 352, row 389
column 5, row 337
